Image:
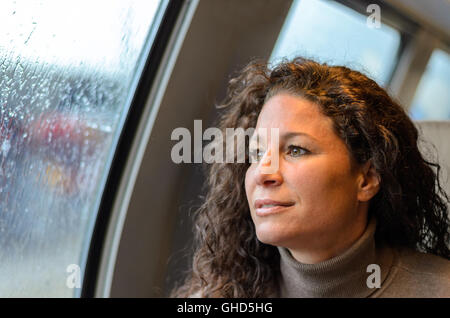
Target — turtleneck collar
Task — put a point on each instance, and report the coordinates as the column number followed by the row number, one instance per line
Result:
column 342, row 276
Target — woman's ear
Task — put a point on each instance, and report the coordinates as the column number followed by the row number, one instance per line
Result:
column 369, row 182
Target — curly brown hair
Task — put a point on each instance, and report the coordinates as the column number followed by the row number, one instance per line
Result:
column 411, row 207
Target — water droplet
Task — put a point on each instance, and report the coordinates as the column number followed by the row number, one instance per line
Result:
column 6, row 145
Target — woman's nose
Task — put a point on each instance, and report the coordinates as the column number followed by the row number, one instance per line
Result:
column 268, row 170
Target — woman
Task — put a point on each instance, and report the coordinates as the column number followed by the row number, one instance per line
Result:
column 352, row 210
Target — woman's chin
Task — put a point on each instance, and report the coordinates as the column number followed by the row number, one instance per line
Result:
column 271, row 237
column 281, row 233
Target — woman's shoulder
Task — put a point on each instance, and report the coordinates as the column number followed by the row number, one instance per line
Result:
column 416, row 274
column 423, row 263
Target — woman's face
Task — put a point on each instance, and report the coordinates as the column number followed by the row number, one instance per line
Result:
column 312, row 201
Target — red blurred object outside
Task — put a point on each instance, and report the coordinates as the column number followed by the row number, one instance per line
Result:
column 65, row 141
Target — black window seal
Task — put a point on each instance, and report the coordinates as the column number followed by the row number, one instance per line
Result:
column 124, row 144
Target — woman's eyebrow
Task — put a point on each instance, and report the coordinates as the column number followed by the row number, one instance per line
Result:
column 285, row 136
column 291, row 134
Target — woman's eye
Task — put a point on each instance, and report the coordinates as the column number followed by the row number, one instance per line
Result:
column 297, row 151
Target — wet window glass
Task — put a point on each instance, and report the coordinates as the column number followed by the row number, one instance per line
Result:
column 333, row 33
column 68, row 70
column 432, row 98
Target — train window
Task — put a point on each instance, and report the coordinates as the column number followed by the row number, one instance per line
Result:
column 68, row 71
column 432, row 97
column 330, row 32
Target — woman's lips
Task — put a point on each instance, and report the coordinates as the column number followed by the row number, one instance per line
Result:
column 265, row 207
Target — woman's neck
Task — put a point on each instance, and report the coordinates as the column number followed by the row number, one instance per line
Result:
column 330, row 244
column 342, row 276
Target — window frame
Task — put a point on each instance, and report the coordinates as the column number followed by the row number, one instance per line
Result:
column 418, row 41
column 101, row 248
column 392, row 18
column 438, row 45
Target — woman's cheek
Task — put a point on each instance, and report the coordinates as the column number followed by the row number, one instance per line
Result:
column 249, row 183
column 311, row 181
column 305, row 174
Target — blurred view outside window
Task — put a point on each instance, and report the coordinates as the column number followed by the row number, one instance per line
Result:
column 432, row 98
column 68, row 70
column 330, row 32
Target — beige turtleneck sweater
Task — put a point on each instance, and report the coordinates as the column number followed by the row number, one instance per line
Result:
column 403, row 273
